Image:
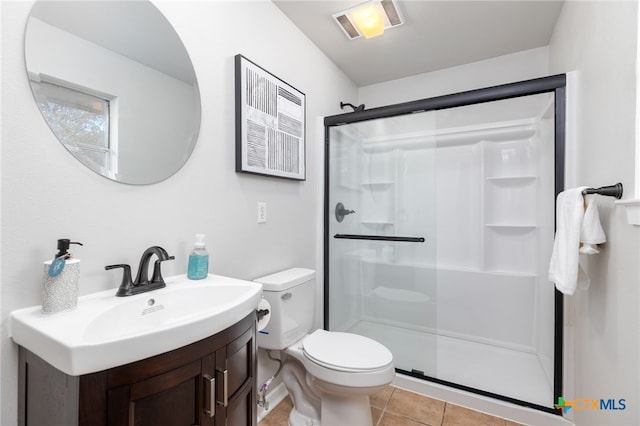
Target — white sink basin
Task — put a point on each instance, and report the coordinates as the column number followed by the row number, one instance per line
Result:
column 106, row 331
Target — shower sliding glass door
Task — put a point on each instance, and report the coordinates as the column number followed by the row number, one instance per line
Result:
column 439, row 227
column 388, row 189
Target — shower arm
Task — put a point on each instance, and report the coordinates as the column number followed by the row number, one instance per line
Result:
column 355, row 108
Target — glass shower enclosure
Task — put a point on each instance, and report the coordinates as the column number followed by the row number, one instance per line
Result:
column 439, row 225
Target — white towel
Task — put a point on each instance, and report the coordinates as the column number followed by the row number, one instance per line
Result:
column 591, row 232
column 578, row 230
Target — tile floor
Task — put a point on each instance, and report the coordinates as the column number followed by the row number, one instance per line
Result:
column 398, row 407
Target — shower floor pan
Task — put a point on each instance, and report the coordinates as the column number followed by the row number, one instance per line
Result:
column 501, row 371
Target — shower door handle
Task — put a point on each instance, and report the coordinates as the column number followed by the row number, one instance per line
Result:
column 380, row 238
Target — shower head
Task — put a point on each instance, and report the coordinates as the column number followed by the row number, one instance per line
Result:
column 355, row 108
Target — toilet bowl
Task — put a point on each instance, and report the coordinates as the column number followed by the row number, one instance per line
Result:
column 346, row 368
column 329, row 375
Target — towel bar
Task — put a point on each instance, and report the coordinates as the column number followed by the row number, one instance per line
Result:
column 610, row 191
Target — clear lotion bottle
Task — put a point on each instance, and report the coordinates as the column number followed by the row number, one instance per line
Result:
column 198, row 260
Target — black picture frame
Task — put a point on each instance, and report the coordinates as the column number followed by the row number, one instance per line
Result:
column 270, row 123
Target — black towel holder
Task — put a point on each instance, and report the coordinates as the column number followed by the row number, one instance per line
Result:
column 609, row 191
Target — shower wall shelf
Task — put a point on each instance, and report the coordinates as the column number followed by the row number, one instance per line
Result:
column 379, row 191
column 515, row 179
column 633, row 210
column 378, row 185
column 510, row 212
column 371, row 222
column 510, row 226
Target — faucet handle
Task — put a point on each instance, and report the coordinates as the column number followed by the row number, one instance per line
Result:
column 126, row 286
column 157, row 274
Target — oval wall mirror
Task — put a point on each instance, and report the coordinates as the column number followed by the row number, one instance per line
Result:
column 116, row 86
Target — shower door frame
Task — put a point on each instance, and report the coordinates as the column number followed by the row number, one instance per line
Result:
column 555, row 84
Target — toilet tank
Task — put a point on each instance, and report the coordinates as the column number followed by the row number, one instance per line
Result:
column 291, row 294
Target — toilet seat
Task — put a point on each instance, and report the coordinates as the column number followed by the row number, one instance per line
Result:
column 346, row 352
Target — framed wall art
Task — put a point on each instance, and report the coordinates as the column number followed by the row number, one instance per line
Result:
column 270, row 123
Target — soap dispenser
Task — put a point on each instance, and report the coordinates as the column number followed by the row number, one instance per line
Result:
column 198, row 260
column 61, row 277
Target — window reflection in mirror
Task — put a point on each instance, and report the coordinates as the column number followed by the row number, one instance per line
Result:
column 81, row 121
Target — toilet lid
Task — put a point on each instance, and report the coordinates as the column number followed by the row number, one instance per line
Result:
column 346, row 351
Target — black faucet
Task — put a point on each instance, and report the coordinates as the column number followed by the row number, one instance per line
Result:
column 142, row 283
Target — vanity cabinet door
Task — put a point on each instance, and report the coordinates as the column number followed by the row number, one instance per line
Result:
column 172, row 398
column 235, row 368
column 208, row 383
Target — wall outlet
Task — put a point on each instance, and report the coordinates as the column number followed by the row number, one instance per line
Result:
column 262, row 212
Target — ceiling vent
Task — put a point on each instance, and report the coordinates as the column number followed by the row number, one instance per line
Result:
column 369, row 19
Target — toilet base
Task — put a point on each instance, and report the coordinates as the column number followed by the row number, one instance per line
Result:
column 340, row 410
column 297, row 419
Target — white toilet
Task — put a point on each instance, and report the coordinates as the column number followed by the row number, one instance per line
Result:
column 329, row 375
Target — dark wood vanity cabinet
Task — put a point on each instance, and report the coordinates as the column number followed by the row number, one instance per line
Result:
column 211, row 382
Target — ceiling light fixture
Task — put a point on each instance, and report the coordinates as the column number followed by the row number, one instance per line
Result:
column 369, row 19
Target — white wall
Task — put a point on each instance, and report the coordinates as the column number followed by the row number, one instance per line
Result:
column 501, row 70
column 46, row 194
column 598, row 40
